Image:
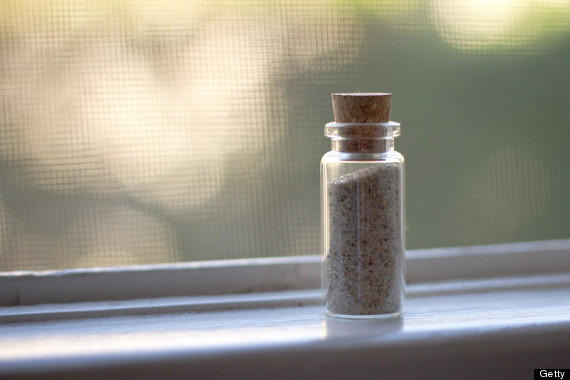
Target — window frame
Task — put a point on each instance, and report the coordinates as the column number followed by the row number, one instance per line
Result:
column 273, row 289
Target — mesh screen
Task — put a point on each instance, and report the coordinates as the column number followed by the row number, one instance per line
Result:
column 137, row 132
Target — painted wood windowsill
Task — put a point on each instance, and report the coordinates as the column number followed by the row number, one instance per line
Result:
column 486, row 326
column 465, row 329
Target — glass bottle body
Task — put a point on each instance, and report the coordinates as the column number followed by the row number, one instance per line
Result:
column 362, row 205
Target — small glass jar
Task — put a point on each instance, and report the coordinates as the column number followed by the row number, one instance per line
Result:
column 362, row 205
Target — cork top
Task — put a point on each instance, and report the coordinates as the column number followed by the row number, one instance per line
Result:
column 362, row 108
column 362, row 123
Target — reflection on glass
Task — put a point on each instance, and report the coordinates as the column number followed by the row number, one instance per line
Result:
column 370, row 329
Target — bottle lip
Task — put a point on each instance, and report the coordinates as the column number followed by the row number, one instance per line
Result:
column 362, row 131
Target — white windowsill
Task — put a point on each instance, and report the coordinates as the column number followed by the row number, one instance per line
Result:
column 488, row 324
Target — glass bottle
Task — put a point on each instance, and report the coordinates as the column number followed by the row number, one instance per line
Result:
column 362, row 205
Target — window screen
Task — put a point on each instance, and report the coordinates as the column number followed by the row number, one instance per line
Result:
column 137, row 132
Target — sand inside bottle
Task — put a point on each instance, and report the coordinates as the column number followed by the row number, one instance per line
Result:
column 362, row 267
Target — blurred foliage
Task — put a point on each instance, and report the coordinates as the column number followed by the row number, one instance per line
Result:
column 142, row 131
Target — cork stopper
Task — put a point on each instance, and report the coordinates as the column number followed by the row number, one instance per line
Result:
column 362, row 108
column 362, row 123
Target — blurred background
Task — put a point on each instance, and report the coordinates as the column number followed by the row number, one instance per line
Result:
column 138, row 132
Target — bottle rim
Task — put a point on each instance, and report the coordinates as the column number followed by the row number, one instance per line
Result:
column 362, row 131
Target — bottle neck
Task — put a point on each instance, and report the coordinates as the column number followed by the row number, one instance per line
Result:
column 362, row 137
column 363, row 146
